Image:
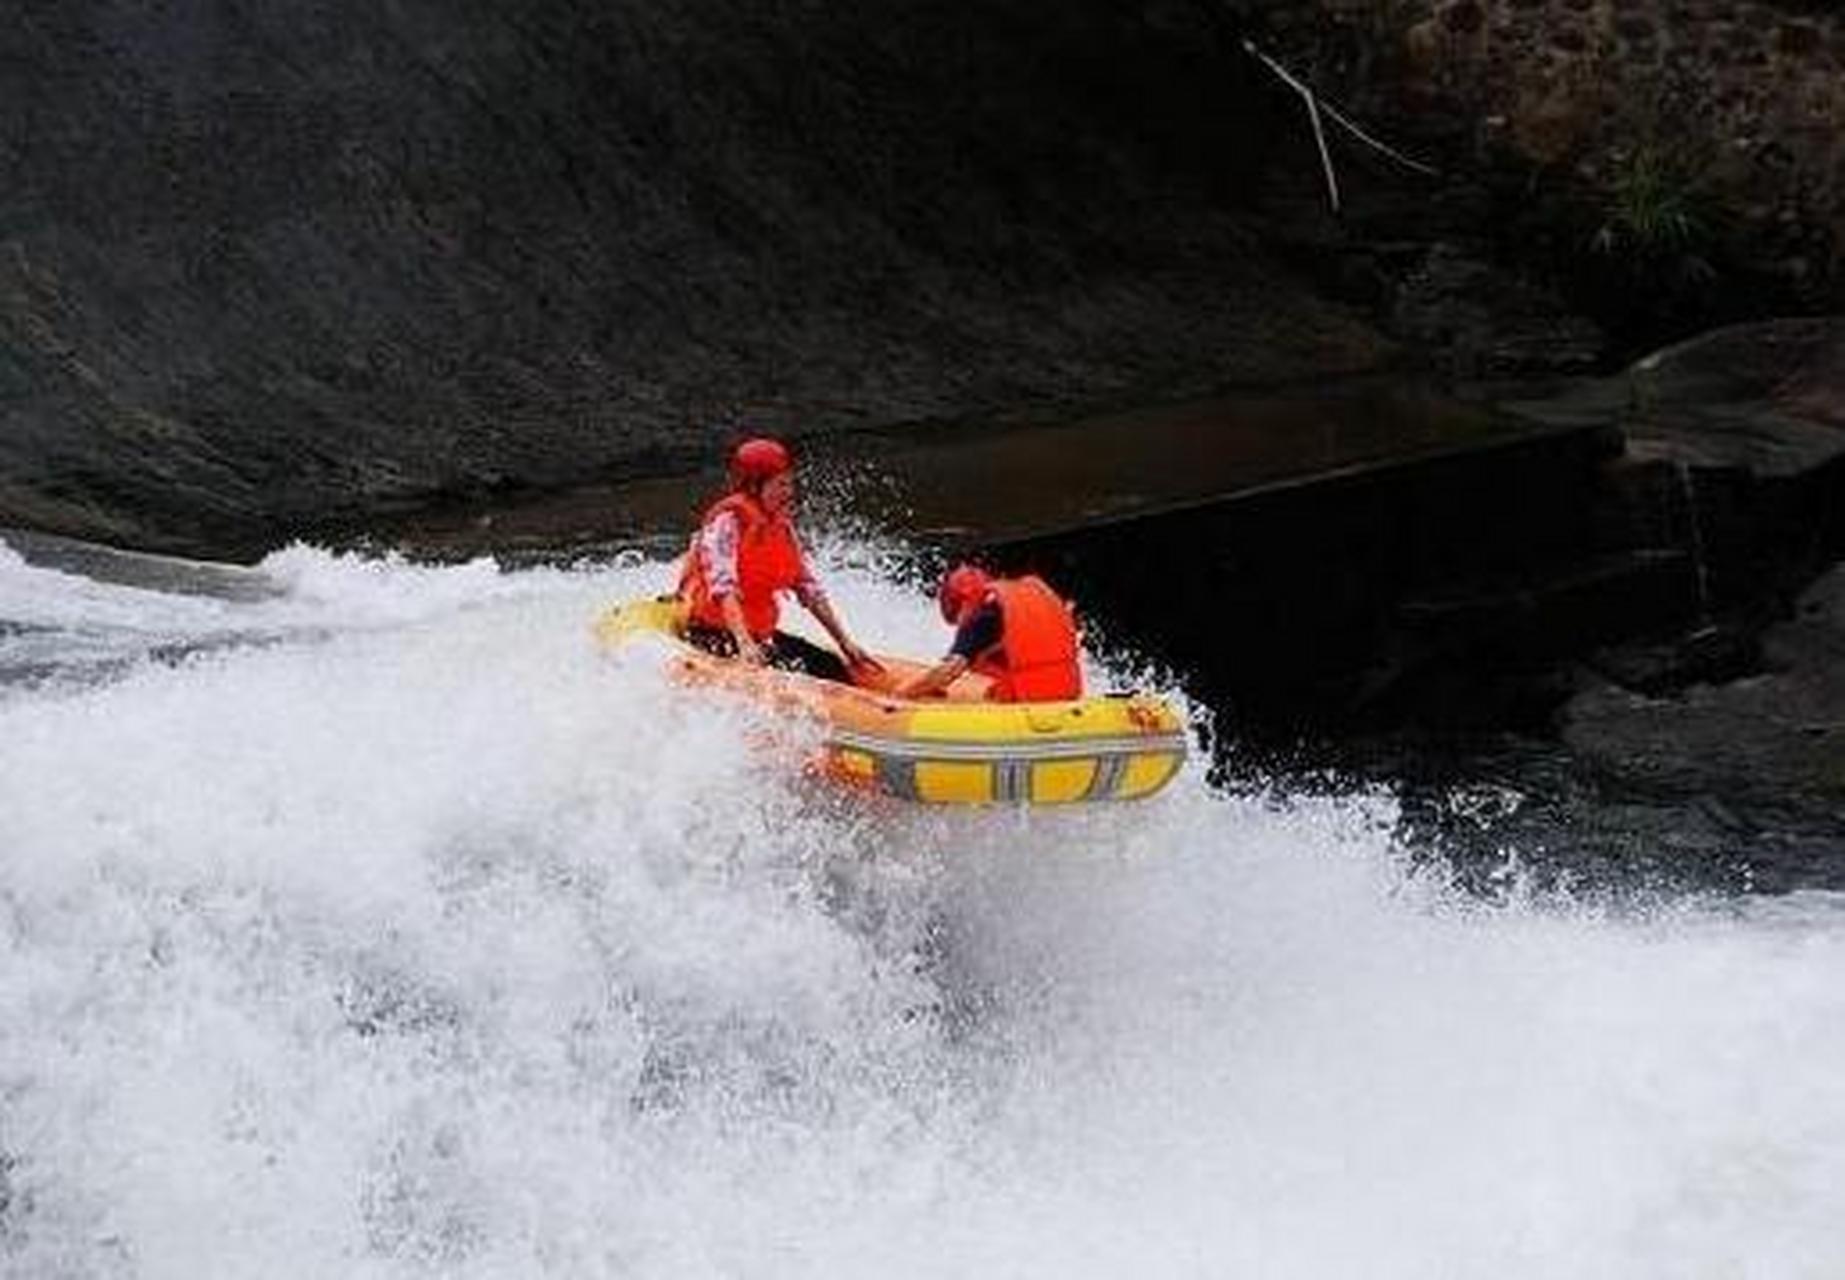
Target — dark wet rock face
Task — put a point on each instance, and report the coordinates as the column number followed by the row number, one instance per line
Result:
column 1664, row 165
column 264, row 264
column 1735, row 457
column 1477, row 320
column 1748, row 708
column 1767, row 397
column 1771, row 745
column 1708, row 747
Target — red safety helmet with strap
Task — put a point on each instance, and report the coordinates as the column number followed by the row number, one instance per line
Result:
column 758, row 460
column 962, row 586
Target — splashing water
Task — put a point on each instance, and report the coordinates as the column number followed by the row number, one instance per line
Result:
column 378, row 926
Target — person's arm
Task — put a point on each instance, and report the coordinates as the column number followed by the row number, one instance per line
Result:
column 814, row 600
column 747, row 648
column 979, row 633
column 935, row 679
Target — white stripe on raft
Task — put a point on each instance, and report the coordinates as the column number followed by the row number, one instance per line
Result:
column 949, row 749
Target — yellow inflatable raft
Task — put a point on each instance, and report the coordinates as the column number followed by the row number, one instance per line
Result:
column 955, row 749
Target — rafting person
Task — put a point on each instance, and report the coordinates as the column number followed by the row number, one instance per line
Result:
column 1016, row 632
column 742, row 557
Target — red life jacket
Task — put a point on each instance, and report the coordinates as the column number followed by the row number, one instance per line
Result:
column 768, row 561
column 1035, row 659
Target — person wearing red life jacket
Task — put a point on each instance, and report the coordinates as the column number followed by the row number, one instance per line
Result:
column 1017, row 632
column 745, row 555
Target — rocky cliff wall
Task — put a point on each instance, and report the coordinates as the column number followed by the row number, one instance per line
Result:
column 1729, row 109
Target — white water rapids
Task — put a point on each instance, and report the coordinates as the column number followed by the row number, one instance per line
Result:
column 380, row 927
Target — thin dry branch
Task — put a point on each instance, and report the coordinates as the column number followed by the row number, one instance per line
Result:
column 1314, row 108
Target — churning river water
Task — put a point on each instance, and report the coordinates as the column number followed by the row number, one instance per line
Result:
column 360, row 919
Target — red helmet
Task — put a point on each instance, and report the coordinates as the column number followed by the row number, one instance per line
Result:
column 961, row 587
column 755, row 461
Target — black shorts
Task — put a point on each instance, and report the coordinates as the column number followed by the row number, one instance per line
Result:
column 786, row 652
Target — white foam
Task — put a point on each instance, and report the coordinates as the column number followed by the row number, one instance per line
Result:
column 422, row 939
